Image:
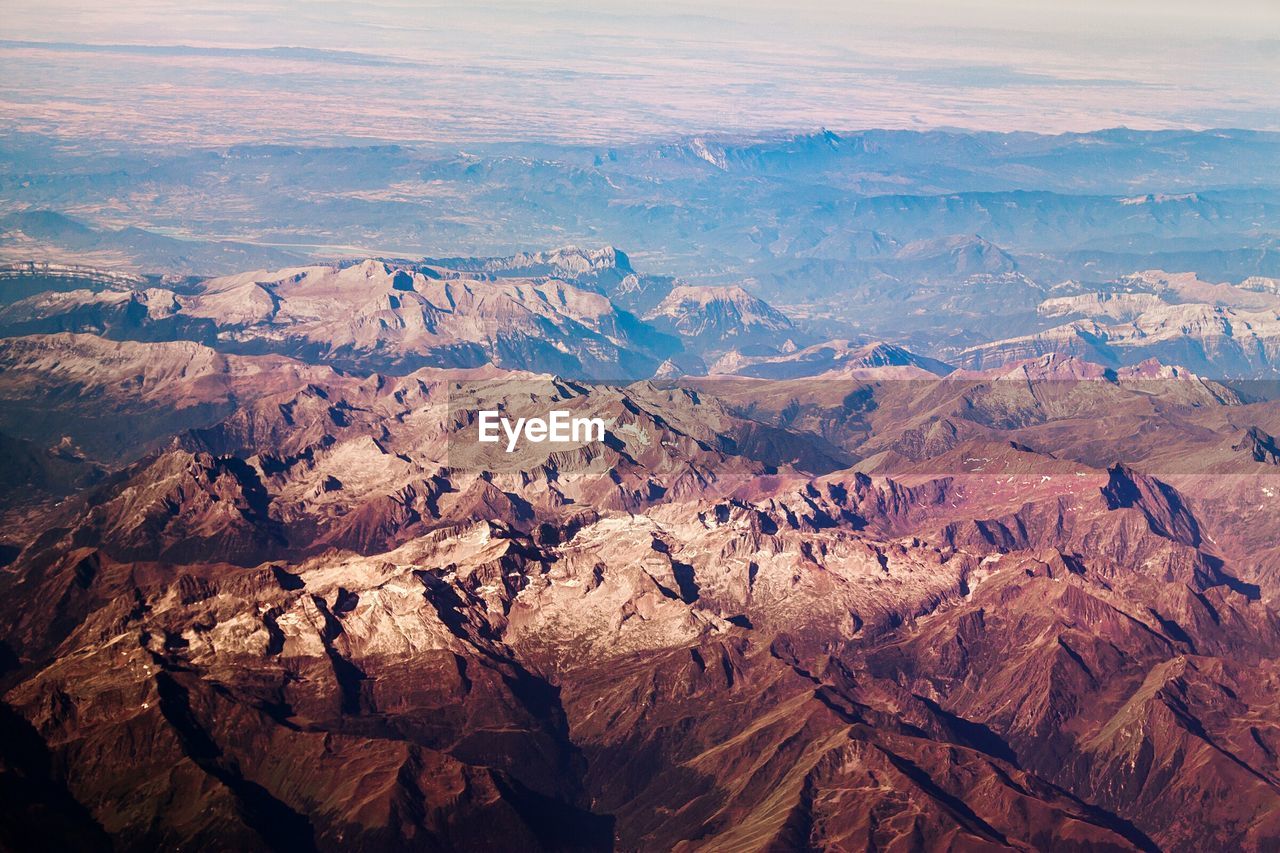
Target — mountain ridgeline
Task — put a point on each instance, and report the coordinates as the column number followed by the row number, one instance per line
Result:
column 589, row 314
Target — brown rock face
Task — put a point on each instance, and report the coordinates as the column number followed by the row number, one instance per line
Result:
column 782, row 615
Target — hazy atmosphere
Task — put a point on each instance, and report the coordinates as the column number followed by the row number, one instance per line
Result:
column 216, row 73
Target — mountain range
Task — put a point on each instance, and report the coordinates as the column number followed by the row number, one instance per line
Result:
column 792, row 612
column 589, row 314
column 933, row 505
column 847, row 227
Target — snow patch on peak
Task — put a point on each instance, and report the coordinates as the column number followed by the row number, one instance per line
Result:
column 703, row 152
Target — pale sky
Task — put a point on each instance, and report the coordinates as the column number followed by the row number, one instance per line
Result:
column 328, row 23
column 593, row 71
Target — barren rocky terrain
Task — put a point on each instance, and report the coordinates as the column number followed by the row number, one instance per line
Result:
column 936, row 508
column 257, row 602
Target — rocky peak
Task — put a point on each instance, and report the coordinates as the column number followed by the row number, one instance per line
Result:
column 1165, row 509
column 717, row 313
column 1259, row 445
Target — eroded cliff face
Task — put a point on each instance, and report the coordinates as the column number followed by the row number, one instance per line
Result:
column 327, row 622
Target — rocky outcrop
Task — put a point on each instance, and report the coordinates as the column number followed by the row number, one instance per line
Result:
column 717, row 314
column 1209, row 339
column 838, row 359
column 374, row 315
